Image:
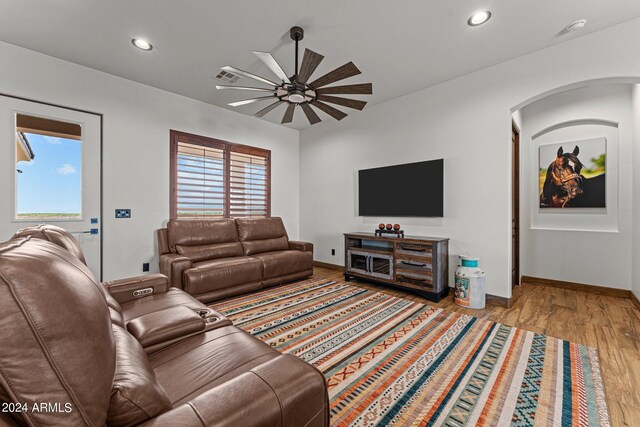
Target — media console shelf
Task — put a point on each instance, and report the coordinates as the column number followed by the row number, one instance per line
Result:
column 415, row 263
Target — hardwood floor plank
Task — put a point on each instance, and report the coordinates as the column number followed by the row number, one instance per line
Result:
column 559, row 297
column 614, row 368
column 627, row 327
column 632, row 360
column 621, row 414
column 563, row 324
column 592, row 309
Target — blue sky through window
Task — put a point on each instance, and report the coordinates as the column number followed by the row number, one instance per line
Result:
column 52, row 182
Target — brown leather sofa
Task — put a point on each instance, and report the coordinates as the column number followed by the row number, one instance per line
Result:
column 128, row 298
column 214, row 259
column 63, row 349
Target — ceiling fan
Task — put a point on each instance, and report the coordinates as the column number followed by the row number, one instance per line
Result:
column 296, row 90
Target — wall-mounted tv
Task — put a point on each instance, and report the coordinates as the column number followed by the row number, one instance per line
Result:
column 413, row 189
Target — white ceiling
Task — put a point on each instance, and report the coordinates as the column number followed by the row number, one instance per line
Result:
column 400, row 46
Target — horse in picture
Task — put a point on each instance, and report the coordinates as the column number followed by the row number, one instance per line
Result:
column 565, row 186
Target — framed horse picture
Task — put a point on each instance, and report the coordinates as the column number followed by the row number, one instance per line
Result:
column 573, row 174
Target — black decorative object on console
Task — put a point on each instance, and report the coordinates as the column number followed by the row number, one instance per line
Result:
column 399, row 233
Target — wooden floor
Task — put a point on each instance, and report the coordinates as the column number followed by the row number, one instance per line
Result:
column 611, row 324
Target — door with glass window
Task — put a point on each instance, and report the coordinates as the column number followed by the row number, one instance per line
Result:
column 50, row 163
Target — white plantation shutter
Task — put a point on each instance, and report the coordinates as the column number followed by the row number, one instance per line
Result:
column 212, row 178
column 200, row 184
column 248, row 184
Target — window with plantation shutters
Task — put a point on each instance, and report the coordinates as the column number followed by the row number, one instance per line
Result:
column 248, row 184
column 212, row 178
column 200, row 181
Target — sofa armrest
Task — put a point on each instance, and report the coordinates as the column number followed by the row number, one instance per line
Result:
column 281, row 392
column 301, row 246
column 125, row 290
column 172, row 266
column 164, row 325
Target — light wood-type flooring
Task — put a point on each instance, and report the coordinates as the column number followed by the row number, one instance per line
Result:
column 609, row 323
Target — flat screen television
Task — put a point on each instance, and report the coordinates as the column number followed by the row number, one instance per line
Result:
column 412, row 189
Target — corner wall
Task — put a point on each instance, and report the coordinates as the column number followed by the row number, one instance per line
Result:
column 635, row 274
column 136, row 123
column 466, row 121
column 584, row 245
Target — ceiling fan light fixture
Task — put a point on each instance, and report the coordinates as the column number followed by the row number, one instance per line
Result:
column 142, row 44
column 297, row 96
column 479, row 18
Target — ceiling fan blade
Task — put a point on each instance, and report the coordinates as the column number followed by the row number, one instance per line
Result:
column 357, row 89
column 240, row 72
column 250, row 101
column 267, row 109
column 257, row 89
column 333, row 112
column 340, row 73
column 311, row 115
column 273, row 65
column 310, row 62
column 351, row 103
column 288, row 115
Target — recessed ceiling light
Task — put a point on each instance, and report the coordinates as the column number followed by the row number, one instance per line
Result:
column 578, row 25
column 479, row 18
column 142, row 44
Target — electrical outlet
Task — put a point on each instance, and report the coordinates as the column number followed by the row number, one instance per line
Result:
column 123, row 213
column 333, row 252
column 145, row 266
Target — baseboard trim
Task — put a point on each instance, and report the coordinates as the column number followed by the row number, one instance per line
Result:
column 328, row 266
column 500, row 301
column 635, row 300
column 593, row 289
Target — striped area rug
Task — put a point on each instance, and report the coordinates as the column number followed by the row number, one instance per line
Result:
column 390, row 361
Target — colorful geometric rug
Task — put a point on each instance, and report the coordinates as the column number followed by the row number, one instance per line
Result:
column 390, row 361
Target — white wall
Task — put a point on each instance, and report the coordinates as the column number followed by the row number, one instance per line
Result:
column 591, row 246
column 635, row 273
column 466, row 121
column 137, row 119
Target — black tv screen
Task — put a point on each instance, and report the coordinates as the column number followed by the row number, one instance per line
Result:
column 413, row 189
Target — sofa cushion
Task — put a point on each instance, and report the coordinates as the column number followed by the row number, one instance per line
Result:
column 228, row 352
column 281, row 263
column 160, row 301
column 260, row 228
column 57, row 342
column 136, row 395
column 211, row 275
column 253, row 247
column 262, row 235
column 197, row 232
column 204, row 252
column 56, row 235
column 166, row 325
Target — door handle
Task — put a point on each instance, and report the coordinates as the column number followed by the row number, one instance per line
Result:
column 91, row 231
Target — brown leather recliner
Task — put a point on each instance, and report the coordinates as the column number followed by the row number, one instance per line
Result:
column 64, row 362
column 214, row 259
column 128, row 298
